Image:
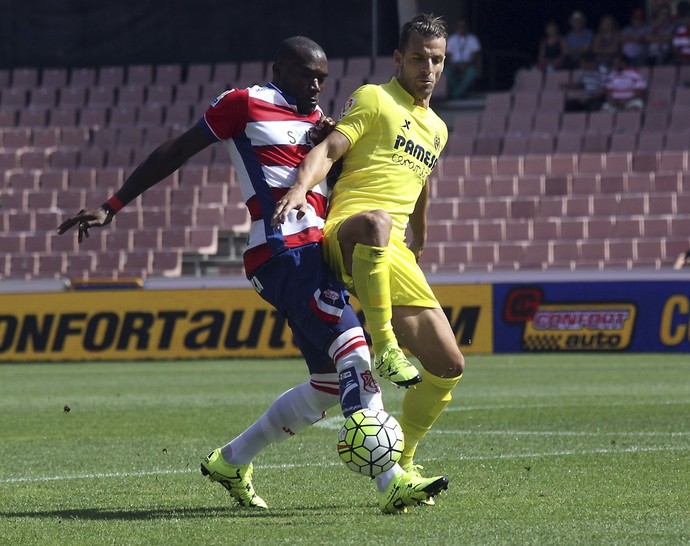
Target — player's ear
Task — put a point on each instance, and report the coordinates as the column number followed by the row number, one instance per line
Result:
column 276, row 73
column 397, row 58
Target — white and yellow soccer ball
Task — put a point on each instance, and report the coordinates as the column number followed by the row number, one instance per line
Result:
column 370, row 442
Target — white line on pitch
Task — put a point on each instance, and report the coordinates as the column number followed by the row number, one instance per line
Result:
column 497, row 456
column 589, row 404
column 334, row 423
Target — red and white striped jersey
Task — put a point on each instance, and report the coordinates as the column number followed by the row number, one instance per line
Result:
column 624, row 85
column 268, row 138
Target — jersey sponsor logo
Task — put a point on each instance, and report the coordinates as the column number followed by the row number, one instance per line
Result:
column 220, row 97
column 347, row 107
column 414, row 157
column 416, row 150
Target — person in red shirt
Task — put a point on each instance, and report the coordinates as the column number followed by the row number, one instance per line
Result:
column 626, row 88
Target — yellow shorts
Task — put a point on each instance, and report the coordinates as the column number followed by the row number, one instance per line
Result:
column 408, row 283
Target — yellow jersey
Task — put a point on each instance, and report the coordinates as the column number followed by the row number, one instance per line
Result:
column 394, row 146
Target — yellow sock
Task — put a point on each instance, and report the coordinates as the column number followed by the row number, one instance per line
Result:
column 371, row 276
column 421, row 407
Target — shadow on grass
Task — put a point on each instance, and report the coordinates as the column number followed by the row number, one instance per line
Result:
column 166, row 513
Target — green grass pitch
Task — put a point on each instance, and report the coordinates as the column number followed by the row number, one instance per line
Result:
column 539, row 449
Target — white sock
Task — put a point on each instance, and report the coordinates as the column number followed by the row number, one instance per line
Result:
column 291, row 412
column 383, row 480
column 358, row 388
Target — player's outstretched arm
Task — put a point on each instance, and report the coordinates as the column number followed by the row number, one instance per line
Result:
column 162, row 162
column 312, row 170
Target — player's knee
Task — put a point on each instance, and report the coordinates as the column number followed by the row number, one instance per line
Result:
column 458, row 367
column 454, row 366
column 376, row 227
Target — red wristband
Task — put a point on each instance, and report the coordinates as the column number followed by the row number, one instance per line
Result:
column 115, row 203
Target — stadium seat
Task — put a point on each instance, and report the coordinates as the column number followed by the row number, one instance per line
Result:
column 112, row 76
column 83, row 77
column 168, row 74
column 44, row 97
column 508, row 166
column 132, row 94
column 204, row 240
column 21, row 266
column 140, row 74
column 16, row 137
column 224, row 76
column 200, row 73
column 623, row 142
column 50, row 266
column 52, row 179
column 530, row 81
column 27, row 77
column 167, row 263
column 612, row 183
column 358, row 66
column 515, row 145
column 552, row 101
column 174, row 238
column 627, row 122
column 663, row 76
column 160, row 94
column 591, row 163
column 554, row 79
column 250, row 73
column 498, row 103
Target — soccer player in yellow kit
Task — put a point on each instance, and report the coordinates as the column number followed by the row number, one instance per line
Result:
column 390, row 141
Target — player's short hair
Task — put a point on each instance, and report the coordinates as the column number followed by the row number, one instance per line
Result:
column 426, row 24
column 298, row 46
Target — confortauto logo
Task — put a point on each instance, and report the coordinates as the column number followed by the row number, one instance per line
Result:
column 591, row 326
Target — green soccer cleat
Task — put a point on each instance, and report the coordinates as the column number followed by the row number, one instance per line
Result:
column 392, row 364
column 406, row 489
column 415, row 469
column 236, row 478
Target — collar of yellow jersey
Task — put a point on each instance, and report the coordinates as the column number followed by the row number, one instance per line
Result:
column 402, row 93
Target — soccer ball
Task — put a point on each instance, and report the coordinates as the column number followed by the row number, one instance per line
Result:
column 370, row 442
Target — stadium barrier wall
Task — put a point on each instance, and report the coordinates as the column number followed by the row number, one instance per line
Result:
column 225, row 318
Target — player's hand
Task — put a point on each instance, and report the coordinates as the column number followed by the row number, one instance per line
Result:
column 417, row 248
column 321, row 129
column 294, row 199
column 86, row 219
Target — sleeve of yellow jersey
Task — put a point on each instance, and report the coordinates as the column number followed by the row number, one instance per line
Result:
column 359, row 113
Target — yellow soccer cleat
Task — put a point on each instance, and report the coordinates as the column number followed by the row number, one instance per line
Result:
column 236, row 478
column 392, row 364
column 415, row 469
column 407, row 489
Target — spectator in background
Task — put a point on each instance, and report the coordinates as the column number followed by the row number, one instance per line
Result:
column 578, row 40
column 606, row 42
column 659, row 36
column 633, row 39
column 587, row 92
column 463, row 57
column 626, row 88
column 551, row 48
column 681, row 37
column 683, row 260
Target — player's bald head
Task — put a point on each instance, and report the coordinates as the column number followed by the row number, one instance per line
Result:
column 299, row 48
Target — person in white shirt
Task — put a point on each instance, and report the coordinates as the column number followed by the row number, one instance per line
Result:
column 463, row 54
